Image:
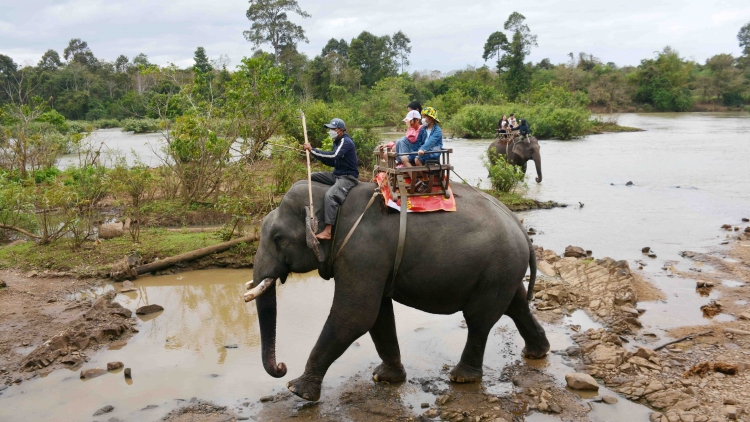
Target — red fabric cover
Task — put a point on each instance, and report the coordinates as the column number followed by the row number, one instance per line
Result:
column 427, row 203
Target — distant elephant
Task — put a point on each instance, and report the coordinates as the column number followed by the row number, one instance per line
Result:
column 521, row 151
column 472, row 260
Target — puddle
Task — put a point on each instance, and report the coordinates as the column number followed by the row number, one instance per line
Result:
column 91, row 294
column 581, row 318
column 732, row 283
column 724, row 318
column 741, row 302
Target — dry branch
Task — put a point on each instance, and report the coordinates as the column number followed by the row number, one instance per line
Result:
column 688, row 337
column 196, row 254
column 20, row 230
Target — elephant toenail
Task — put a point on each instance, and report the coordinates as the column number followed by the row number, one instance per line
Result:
column 376, row 378
column 288, row 384
column 306, row 396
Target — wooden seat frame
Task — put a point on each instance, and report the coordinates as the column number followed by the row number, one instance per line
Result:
column 439, row 174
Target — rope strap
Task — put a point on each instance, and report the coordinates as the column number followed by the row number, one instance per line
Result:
column 354, row 227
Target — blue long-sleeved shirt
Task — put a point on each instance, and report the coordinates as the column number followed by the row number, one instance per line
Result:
column 435, row 140
column 343, row 158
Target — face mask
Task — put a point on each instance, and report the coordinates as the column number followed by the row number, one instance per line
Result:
column 424, row 122
column 333, row 134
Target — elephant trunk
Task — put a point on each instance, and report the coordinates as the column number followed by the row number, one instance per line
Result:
column 537, row 157
column 267, row 319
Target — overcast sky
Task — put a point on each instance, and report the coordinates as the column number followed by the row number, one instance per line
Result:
column 445, row 34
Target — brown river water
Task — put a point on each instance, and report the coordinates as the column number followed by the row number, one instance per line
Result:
column 690, row 176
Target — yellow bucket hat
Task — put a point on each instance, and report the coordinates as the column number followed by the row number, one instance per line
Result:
column 429, row 111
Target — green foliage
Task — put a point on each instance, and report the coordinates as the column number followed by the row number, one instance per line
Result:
column 511, row 65
column 662, row 82
column 138, row 185
column 259, row 100
column 106, row 123
column 288, row 166
column 373, row 56
column 365, row 141
column 55, row 119
column 140, row 125
column 476, row 121
column 271, row 24
column 504, row 177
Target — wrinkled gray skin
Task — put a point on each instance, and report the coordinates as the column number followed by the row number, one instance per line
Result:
column 472, row 261
column 520, row 154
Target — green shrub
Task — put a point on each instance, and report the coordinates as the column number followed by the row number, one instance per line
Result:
column 140, row 125
column 476, row 121
column 504, row 177
column 106, row 123
column 365, row 140
column 56, row 119
column 287, row 166
column 79, row 126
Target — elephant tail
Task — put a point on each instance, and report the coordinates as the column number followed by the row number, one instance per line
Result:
column 532, row 273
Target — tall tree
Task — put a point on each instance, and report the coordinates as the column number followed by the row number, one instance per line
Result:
column 78, row 51
column 517, row 78
column 663, row 82
column 744, row 38
column 50, row 60
column 122, row 63
column 202, row 64
column 270, row 24
column 340, row 47
column 494, row 45
column 141, row 60
column 402, row 48
column 373, row 56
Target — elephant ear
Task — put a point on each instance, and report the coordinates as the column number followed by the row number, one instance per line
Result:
column 518, row 149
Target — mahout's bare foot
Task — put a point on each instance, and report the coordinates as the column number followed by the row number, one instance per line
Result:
column 325, row 234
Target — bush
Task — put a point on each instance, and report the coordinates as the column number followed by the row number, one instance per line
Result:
column 78, row 126
column 365, row 140
column 55, row 119
column 287, row 166
column 504, row 177
column 545, row 121
column 140, row 125
column 106, row 123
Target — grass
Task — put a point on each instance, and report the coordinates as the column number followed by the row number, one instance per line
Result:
column 96, row 260
column 517, row 202
column 599, row 127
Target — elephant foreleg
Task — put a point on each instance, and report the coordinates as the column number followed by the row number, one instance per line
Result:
column 353, row 313
column 532, row 332
column 383, row 334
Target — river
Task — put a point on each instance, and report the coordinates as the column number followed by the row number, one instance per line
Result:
column 689, row 174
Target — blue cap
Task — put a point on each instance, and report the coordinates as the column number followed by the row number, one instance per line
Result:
column 336, row 123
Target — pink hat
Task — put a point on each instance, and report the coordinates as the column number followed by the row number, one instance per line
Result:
column 414, row 114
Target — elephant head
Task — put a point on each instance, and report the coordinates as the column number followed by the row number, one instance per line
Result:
column 519, row 153
column 282, row 250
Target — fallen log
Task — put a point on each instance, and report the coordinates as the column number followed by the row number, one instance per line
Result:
column 688, row 337
column 189, row 256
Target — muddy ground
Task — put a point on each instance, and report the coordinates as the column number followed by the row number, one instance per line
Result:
column 49, row 323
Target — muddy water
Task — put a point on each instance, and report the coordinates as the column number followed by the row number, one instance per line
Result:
column 114, row 143
column 686, row 185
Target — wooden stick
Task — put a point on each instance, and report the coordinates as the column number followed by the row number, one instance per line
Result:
column 309, row 173
column 688, row 337
column 188, row 256
column 259, row 290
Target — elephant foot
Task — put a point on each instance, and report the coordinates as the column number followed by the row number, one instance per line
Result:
column 538, row 352
column 389, row 373
column 305, row 388
column 464, row 374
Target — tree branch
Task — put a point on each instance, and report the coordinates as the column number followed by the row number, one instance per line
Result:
column 20, row 230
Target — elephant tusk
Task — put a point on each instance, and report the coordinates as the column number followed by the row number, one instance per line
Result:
column 257, row 290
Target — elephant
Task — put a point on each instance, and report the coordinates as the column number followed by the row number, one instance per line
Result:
column 484, row 279
column 521, row 151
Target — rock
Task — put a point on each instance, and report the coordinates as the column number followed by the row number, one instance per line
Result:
column 629, row 310
column 653, row 387
column 666, row 398
column 639, row 361
column 629, row 183
column 574, row 252
column 609, row 399
column 747, row 229
column 432, row 413
column 128, row 373
column 424, row 405
column 745, row 220
column 103, row 410
column 555, row 408
column 738, row 332
column 265, row 399
column 443, row 399
column 231, row 346
column 745, row 315
column 110, row 230
column 651, row 255
column 546, row 268
column 3, row 284
column 111, row 366
column 150, row 406
column 92, row 373
column 644, row 352
column 686, row 404
column 573, row 351
column 127, row 286
column 731, row 412
column 581, row 381
column 655, row 417
column 726, row 226
column 646, row 249
column 148, row 309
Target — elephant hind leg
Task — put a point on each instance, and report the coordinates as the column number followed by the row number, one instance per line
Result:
column 481, row 315
column 532, row 332
column 383, row 334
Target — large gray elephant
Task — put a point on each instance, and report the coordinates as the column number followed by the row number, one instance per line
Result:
column 519, row 151
column 472, row 260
